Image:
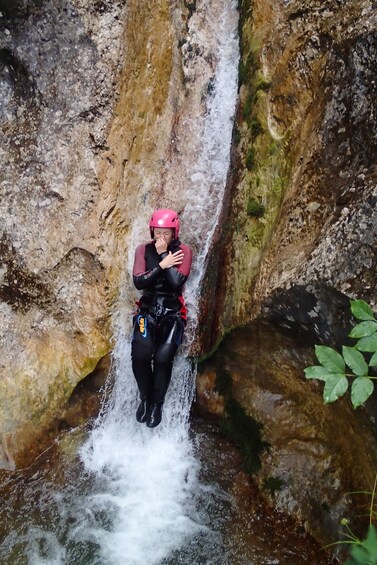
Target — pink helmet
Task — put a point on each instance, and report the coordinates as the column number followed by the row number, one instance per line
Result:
column 164, row 218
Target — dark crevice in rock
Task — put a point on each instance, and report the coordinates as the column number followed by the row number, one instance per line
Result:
column 93, row 383
column 18, row 74
column 20, row 106
column 19, row 8
column 22, row 289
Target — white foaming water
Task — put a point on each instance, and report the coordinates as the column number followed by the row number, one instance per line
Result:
column 145, row 503
column 149, row 475
column 151, row 484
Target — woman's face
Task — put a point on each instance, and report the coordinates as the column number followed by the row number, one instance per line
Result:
column 166, row 233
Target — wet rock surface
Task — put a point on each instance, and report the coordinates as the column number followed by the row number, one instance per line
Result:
column 58, row 66
column 304, row 181
column 253, row 520
column 314, row 453
column 86, row 123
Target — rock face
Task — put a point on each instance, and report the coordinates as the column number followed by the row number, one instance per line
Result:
column 58, row 66
column 303, row 207
column 314, row 454
column 298, row 242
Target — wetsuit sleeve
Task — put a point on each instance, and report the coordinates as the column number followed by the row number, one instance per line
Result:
column 177, row 276
column 142, row 278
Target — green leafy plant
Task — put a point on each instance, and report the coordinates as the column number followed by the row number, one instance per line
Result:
column 263, row 84
column 337, row 370
column 364, row 552
column 255, row 127
column 247, row 108
column 246, row 69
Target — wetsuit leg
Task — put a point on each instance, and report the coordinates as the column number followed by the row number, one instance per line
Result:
column 169, row 337
column 142, row 347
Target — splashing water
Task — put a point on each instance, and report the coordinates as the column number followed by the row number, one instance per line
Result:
column 139, row 499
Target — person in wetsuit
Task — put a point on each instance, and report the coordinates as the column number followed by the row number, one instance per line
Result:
column 161, row 268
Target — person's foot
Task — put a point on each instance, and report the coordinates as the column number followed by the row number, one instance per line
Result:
column 155, row 415
column 143, row 411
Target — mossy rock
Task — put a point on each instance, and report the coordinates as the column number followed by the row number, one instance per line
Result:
column 255, row 209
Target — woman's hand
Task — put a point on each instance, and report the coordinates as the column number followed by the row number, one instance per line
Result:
column 161, row 245
column 172, row 259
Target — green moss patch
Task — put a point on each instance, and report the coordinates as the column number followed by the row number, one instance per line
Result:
column 255, row 209
column 250, row 158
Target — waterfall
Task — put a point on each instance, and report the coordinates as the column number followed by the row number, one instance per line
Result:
column 152, row 479
column 139, row 498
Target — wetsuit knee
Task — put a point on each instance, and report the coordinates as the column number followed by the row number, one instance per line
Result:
column 163, row 366
column 164, row 355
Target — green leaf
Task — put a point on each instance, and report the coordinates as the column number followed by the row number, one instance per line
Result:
column 371, row 543
column 364, row 329
column 335, row 387
column 368, row 344
column 362, row 388
column 317, row 372
column 330, row 358
column 361, row 310
column 360, row 554
column 364, row 552
column 355, row 361
column 373, row 361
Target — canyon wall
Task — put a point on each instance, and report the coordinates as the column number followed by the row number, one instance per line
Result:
column 302, row 217
column 298, row 242
column 103, row 118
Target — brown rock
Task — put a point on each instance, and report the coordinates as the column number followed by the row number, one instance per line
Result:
column 316, row 453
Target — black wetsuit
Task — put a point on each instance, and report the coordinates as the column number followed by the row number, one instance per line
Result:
column 159, row 323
